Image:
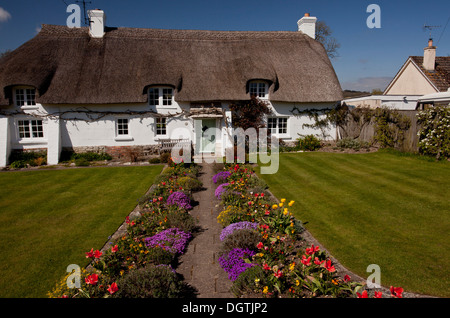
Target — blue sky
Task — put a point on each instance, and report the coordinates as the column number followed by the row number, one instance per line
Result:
column 368, row 58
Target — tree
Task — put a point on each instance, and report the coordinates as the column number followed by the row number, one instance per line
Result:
column 323, row 35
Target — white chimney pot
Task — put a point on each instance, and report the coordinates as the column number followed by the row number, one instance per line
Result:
column 97, row 20
column 307, row 25
column 429, row 56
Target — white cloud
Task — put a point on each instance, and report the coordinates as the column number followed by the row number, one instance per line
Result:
column 4, row 15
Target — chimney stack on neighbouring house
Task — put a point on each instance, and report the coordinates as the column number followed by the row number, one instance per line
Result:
column 97, row 20
column 429, row 56
column 307, row 25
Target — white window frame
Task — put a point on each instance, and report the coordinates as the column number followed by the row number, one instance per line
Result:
column 28, row 97
column 280, row 130
column 34, row 129
column 161, row 96
column 259, row 88
column 161, row 121
column 120, row 129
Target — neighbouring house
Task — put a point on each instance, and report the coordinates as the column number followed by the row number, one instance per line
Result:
column 419, row 75
column 107, row 89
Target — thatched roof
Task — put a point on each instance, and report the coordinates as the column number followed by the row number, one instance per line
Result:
column 67, row 66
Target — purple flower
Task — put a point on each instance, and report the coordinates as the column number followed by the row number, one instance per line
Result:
column 221, row 176
column 234, row 264
column 220, row 190
column 180, row 199
column 173, row 240
column 237, row 226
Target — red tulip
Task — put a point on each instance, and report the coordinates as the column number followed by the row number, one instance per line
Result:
column 97, row 254
column 113, row 288
column 329, row 267
column 317, row 261
column 90, row 254
column 312, row 250
column 347, row 278
column 396, row 292
column 363, row 295
column 377, row 295
column 114, row 248
column 260, row 245
column 306, row 261
column 91, row 279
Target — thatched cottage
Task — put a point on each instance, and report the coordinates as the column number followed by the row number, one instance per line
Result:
column 99, row 88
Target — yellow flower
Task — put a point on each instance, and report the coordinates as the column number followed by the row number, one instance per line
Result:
column 265, row 290
column 285, row 211
column 291, row 203
column 292, row 266
column 297, row 282
column 274, row 206
column 283, row 200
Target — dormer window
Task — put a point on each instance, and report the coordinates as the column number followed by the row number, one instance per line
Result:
column 160, row 96
column 25, row 96
column 259, row 89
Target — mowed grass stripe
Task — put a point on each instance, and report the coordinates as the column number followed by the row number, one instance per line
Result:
column 49, row 219
column 374, row 208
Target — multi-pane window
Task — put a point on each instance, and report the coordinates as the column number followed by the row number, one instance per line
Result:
column 277, row 125
column 25, row 96
column 160, row 96
column 258, row 89
column 161, row 126
column 30, row 129
column 122, row 126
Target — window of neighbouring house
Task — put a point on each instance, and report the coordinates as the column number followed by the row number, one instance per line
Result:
column 259, row 89
column 160, row 96
column 161, row 126
column 122, row 127
column 25, row 96
column 30, row 129
column 277, row 125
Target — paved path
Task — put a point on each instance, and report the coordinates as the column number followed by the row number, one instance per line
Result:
column 199, row 265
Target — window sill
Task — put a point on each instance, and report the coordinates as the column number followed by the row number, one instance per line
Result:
column 124, row 138
column 33, row 107
column 36, row 141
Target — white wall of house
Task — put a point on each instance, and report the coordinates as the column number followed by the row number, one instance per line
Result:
column 66, row 132
column 410, row 81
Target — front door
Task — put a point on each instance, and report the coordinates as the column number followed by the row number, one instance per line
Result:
column 208, row 139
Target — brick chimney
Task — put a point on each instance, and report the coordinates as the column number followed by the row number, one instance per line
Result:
column 429, row 56
column 97, row 21
column 307, row 25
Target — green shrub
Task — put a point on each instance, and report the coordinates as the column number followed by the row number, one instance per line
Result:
column 164, row 157
column 190, row 184
column 18, row 164
column 91, row 156
column 154, row 160
column 182, row 220
column 242, row 238
column 434, row 135
column 308, row 143
column 351, row 143
column 249, row 281
column 151, row 282
column 81, row 162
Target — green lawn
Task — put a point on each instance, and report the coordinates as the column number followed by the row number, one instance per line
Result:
column 380, row 208
column 49, row 219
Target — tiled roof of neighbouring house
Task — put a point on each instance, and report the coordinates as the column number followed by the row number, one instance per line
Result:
column 441, row 76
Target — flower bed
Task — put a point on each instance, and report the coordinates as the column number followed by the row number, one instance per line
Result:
column 146, row 254
column 280, row 264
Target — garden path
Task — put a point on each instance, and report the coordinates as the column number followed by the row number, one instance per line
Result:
column 199, row 265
